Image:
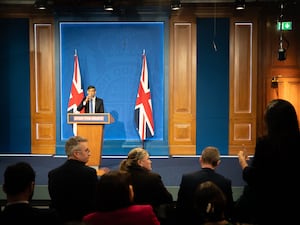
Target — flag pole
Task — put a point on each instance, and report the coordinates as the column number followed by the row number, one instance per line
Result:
column 143, row 141
column 143, row 107
column 76, row 92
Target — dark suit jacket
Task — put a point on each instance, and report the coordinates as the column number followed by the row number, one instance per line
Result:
column 132, row 215
column 188, row 185
column 99, row 107
column 72, row 189
column 148, row 187
column 23, row 213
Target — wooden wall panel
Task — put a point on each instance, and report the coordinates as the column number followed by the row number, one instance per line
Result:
column 242, row 79
column 242, row 115
column 42, row 90
column 246, row 99
column 182, row 95
column 286, row 72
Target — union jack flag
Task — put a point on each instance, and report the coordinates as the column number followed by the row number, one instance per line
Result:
column 76, row 94
column 143, row 105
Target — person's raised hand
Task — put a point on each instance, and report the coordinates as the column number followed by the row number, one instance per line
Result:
column 87, row 98
column 243, row 157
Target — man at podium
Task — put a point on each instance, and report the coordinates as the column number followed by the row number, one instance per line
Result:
column 91, row 103
column 92, row 125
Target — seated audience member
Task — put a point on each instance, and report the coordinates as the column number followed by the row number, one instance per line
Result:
column 210, row 204
column 267, row 199
column 72, row 186
column 148, row 186
column 209, row 160
column 115, row 203
column 19, row 183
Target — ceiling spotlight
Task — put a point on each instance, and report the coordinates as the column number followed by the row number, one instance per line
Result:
column 108, row 6
column 175, row 5
column 239, row 4
column 41, row 4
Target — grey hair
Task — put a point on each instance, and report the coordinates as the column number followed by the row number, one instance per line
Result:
column 211, row 155
column 73, row 144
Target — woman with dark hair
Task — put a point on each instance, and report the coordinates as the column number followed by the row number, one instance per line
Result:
column 210, row 204
column 276, row 157
column 115, row 203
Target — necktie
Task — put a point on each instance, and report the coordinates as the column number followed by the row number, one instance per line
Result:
column 91, row 106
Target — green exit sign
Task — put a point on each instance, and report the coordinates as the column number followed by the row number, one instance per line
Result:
column 285, row 25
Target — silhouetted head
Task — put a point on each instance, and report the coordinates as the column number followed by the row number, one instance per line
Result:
column 114, row 191
column 19, row 178
column 210, row 202
column 281, row 119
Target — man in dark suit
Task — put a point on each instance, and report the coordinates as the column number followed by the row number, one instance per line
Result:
column 91, row 103
column 209, row 160
column 72, row 186
column 18, row 186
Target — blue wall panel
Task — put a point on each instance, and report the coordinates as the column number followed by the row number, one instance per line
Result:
column 110, row 58
column 212, row 84
column 15, row 86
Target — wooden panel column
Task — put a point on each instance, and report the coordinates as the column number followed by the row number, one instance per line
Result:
column 182, row 95
column 286, row 73
column 42, row 87
column 243, row 85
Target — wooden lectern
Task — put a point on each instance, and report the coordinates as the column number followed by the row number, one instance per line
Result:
column 90, row 126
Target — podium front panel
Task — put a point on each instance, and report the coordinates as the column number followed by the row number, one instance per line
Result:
column 94, row 134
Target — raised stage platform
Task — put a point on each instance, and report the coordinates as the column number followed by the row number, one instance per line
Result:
column 170, row 169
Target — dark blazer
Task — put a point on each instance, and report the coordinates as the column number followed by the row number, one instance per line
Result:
column 72, row 189
column 24, row 213
column 268, row 182
column 148, row 187
column 188, row 185
column 99, row 107
column 132, row 215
